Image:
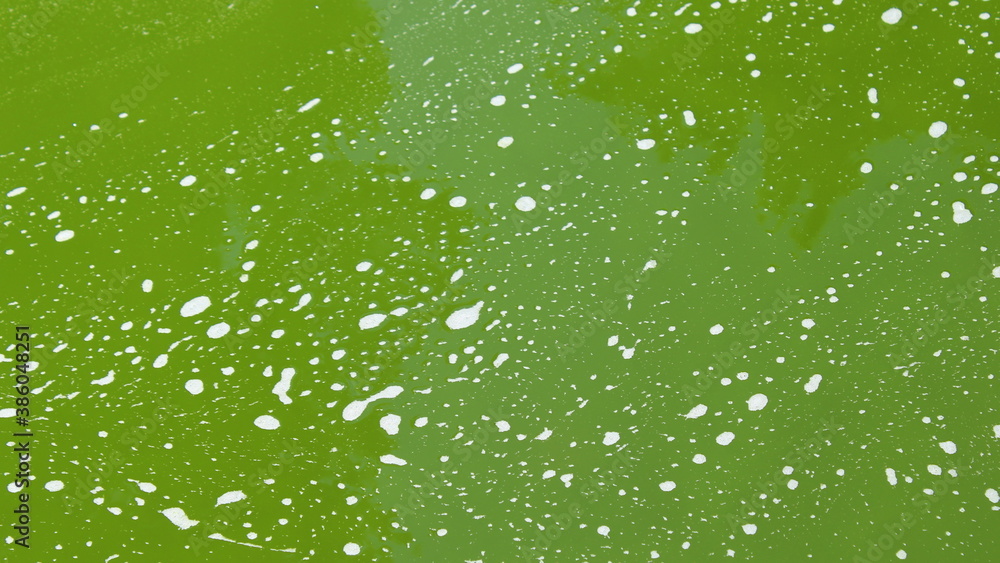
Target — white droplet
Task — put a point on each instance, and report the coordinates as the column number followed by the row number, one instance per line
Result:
column 813, row 384
column 179, row 518
column 949, row 447
column 195, row 306
column 717, row 329
column 218, row 330
column 515, row 68
column 757, row 402
column 749, row 529
column 937, row 129
column 194, row 386
column 188, row 180
column 352, row 548
column 371, row 321
column 892, row 16
column 989, row 188
column 611, row 438
column 55, row 486
column 498, row 100
column 697, row 411
column 525, row 203
column 147, row 285
column 725, row 438
column 960, row 214
column 692, row 28
column 230, row 497
column 604, row 530
column 505, row 142
column 645, row 144
column 464, row 318
column 266, row 422
column 63, row 236
column 668, row 486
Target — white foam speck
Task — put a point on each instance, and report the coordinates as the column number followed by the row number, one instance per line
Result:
column 813, row 384
column 645, row 144
column 959, row 213
column 194, row 386
column 106, row 379
column 604, row 530
column 63, row 236
column 371, row 321
column 17, row 191
column 230, row 497
column 725, row 438
column 892, row 16
column 356, row 408
column 697, row 411
column 390, row 459
column 808, row 323
column 283, row 385
column 147, row 285
column 498, row 100
column 990, row 494
column 266, row 422
column 717, row 329
column 501, row 358
column 390, row 423
column 757, row 402
column 668, row 486
column 611, row 438
column 890, row 474
column 55, row 486
column 309, row 105
column 160, row 361
column 525, row 203
column 352, row 548
column 689, row 117
column 949, row 447
column 699, row 459
column 749, row 529
column 989, row 188
column 188, row 180
column 464, row 318
column 218, row 330
column 363, row 266
column 514, row 68
column 195, row 306
column 505, row 142
column 179, row 518
column 937, row 129
column 692, row 28
column 316, row 157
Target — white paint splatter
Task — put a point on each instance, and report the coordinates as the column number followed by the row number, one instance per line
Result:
column 464, row 318
column 195, row 306
column 179, row 518
column 757, row 402
column 266, row 422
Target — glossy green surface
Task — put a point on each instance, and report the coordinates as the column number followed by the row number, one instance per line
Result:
column 647, row 226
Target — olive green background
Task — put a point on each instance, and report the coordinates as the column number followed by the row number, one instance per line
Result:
column 764, row 196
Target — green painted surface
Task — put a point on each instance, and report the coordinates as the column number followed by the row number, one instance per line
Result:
column 796, row 176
